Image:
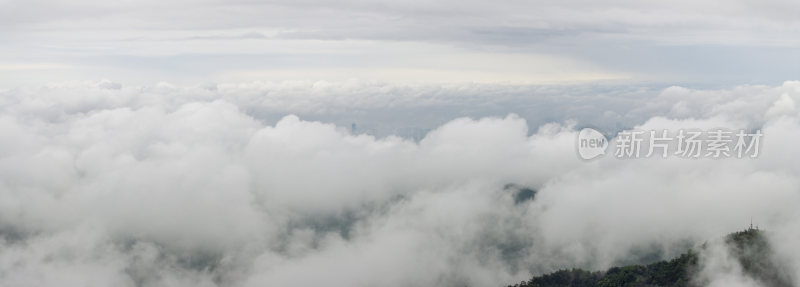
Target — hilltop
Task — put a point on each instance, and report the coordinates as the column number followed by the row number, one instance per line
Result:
column 750, row 247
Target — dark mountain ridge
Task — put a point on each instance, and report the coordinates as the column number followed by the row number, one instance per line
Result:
column 749, row 247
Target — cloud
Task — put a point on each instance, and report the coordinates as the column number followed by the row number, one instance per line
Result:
column 109, row 184
column 710, row 43
column 721, row 268
column 785, row 105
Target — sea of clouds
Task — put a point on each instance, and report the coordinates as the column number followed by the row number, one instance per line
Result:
column 268, row 184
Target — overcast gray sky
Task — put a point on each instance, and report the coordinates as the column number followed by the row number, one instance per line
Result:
column 698, row 42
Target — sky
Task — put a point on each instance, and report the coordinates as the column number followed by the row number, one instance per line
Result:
column 385, row 143
column 524, row 42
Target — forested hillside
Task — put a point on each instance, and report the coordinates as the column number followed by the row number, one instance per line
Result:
column 749, row 247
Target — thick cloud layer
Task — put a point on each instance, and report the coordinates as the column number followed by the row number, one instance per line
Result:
column 105, row 185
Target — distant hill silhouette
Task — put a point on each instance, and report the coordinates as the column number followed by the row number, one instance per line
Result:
column 749, row 247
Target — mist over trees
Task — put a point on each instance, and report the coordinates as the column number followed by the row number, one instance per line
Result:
column 750, row 248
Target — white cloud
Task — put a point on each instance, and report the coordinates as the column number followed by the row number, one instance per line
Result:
column 168, row 185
